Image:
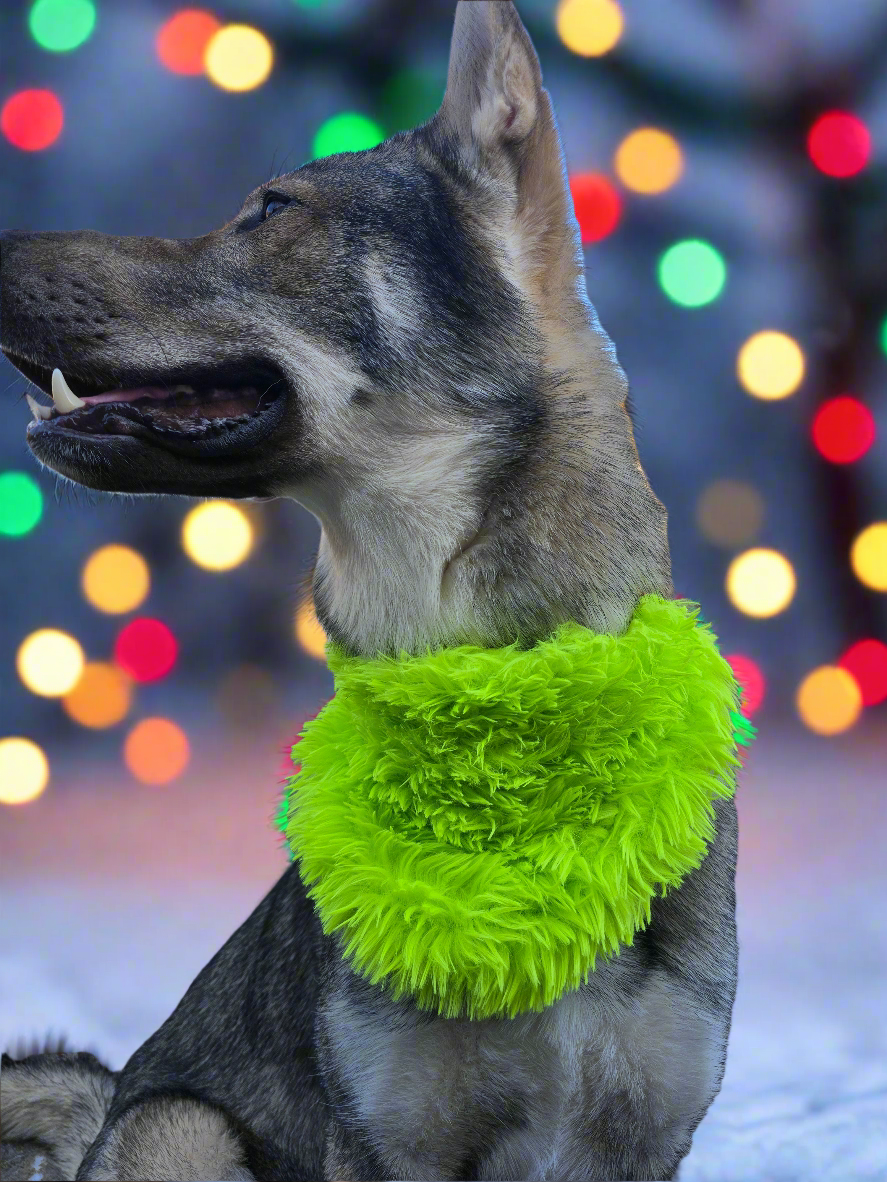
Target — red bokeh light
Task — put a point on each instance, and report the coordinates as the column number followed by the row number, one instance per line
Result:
column 866, row 662
column 182, row 41
column 146, row 649
column 839, row 144
column 843, row 430
column 751, row 679
column 32, row 119
column 598, row 206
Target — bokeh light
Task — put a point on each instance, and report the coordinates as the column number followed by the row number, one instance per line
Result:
column 32, row 119
column 61, row 25
column 217, row 535
column 182, row 41
column 597, row 204
column 748, row 673
column 238, row 57
column 866, row 662
column 760, row 583
column 410, row 97
column 828, row 700
column 843, row 430
column 589, row 27
column 883, row 335
column 730, row 513
column 21, row 503
column 309, row 631
column 349, row 131
column 649, row 161
column 839, row 144
column 868, row 556
column 770, row 365
column 49, row 662
column 24, row 770
column 146, row 649
column 115, row 579
column 692, row 273
column 101, row 698
column 156, row 751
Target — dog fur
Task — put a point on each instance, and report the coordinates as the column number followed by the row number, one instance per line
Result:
column 456, row 419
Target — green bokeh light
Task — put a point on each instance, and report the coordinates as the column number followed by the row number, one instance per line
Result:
column 60, row 25
column 21, row 503
column 346, row 132
column 884, row 334
column 412, row 96
column 692, row 273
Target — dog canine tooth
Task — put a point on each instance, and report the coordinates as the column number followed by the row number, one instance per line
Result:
column 63, row 396
column 39, row 412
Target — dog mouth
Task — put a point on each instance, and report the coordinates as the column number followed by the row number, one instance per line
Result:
column 217, row 410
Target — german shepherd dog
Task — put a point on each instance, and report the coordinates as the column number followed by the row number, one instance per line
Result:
column 399, row 339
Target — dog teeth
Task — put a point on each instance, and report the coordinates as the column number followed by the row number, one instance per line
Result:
column 39, row 412
column 63, row 396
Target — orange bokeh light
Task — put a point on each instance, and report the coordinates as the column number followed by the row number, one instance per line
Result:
column 156, row 751
column 182, row 41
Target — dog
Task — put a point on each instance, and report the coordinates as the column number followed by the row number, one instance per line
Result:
column 399, row 339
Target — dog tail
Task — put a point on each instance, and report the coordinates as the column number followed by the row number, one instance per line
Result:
column 53, row 1102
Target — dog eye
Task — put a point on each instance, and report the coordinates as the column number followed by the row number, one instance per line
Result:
column 273, row 202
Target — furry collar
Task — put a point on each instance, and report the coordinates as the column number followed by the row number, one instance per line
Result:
column 481, row 824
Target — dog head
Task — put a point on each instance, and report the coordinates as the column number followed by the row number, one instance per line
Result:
column 399, row 339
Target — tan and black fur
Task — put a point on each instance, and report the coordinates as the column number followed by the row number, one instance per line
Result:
column 453, row 415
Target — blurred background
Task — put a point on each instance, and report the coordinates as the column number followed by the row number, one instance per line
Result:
column 728, row 163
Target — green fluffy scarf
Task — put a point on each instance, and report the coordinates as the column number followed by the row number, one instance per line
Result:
column 481, row 824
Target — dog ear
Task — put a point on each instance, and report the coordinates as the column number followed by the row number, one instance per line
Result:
column 494, row 80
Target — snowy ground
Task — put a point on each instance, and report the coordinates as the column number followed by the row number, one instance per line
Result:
column 113, row 896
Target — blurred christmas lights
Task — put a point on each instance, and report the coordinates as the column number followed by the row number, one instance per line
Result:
column 182, row 41
column 101, row 697
column 692, row 273
column 760, row 583
column 597, row 204
column 730, row 513
column 839, row 144
column 238, row 57
column 115, row 579
column 24, row 770
column 866, row 662
column 751, row 679
column 349, row 131
column 770, row 365
column 589, row 27
column 843, row 430
column 649, row 161
column 828, row 700
column 156, row 751
column 49, row 662
column 146, row 649
column 868, row 556
column 61, row 25
column 217, row 535
column 32, row 119
column 21, row 503
column 309, row 632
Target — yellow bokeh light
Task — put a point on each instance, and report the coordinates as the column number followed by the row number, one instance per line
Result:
column 115, row 579
column 217, row 535
column 771, row 365
column 156, row 751
column 589, row 27
column 238, row 57
column 49, row 662
column 24, row 771
column 829, row 700
column 649, row 161
column 730, row 513
column 760, row 583
column 309, row 632
column 101, row 697
column 868, row 556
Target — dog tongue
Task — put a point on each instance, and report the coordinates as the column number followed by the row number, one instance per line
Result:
column 128, row 395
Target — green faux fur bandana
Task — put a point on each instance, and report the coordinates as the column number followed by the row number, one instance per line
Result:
column 482, row 824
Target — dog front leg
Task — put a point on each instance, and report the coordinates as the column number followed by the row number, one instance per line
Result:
column 168, row 1139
